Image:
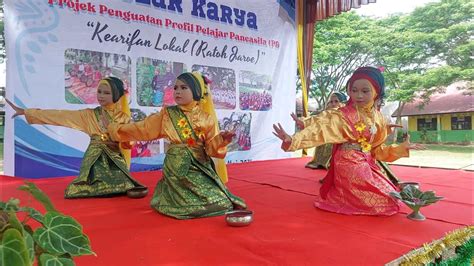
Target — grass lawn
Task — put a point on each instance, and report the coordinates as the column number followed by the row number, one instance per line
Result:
column 441, row 156
column 450, row 148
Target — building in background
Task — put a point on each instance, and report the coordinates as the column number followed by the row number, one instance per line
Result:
column 446, row 118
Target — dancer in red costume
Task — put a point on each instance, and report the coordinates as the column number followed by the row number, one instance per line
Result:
column 355, row 185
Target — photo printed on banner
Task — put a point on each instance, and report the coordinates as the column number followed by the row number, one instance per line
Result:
column 144, row 149
column 155, row 81
column 222, row 85
column 255, row 91
column 84, row 69
column 240, row 123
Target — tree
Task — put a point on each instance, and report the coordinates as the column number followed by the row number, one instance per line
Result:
column 341, row 44
column 432, row 49
column 422, row 52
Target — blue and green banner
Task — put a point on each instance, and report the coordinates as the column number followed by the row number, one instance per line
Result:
column 58, row 50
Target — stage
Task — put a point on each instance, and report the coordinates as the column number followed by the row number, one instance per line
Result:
column 287, row 229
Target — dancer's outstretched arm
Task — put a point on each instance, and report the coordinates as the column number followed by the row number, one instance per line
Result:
column 280, row 133
column 18, row 111
column 149, row 129
column 299, row 122
column 390, row 153
column 215, row 142
column 75, row 119
column 413, row 146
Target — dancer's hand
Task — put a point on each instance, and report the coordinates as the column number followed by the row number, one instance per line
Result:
column 18, row 110
column 227, row 136
column 413, row 146
column 299, row 122
column 391, row 126
column 281, row 134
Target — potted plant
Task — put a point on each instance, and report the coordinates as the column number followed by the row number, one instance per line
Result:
column 55, row 242
column 415, row 199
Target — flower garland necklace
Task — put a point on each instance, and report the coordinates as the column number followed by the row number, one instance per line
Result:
column 187, row 132
column 361, row 126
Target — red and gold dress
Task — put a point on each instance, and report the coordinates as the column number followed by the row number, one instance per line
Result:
column 355, row 184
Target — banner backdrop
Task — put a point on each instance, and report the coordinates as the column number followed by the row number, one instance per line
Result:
column 58, row 50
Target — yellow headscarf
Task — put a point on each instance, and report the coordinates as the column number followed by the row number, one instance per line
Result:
column 125, row 147
column 207, row 105
column 122, row 106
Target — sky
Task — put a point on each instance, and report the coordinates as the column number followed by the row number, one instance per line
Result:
column 384, row 8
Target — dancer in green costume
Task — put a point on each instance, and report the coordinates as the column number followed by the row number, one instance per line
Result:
column 104, row 168
column 191, row 186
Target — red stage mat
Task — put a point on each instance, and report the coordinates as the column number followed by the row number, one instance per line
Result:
column 287, row 229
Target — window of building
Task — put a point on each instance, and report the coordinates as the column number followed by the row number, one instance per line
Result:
column 461, row 123
column 427, row 124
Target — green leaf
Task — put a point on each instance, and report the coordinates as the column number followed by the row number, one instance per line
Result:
column 410, row 204
column 62, row 234
column 407, row 195
column 30, row 245
column 415, row 198
column 14, row 222
column 38, row 195
column 411, row 192
column 4, row 221
column 33, row 213
column 396, row 195
column 13, row 251
column 50, row 260
column 427, row 195
column 432, row 200
column 11, row 205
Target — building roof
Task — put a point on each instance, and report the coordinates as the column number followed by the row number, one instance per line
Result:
column 454, row 100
